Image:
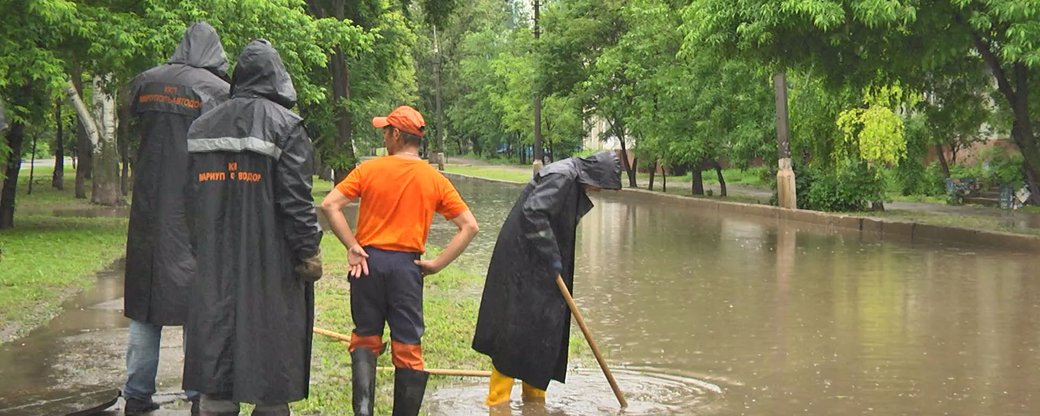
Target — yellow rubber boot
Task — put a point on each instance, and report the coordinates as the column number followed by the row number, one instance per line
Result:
column 500, row 387
column 533, row 394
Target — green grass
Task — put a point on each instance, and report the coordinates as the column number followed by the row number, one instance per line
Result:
column 45, row 259
column 520, row 174
column 320, row 188
column 753, row 177
column 896, row 196
column 975, row 222
column 502, row 173
column 44, row 196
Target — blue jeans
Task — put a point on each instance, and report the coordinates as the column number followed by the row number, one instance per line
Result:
column 142, row 361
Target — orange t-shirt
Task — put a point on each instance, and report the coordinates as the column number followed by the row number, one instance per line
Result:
column 398, row 199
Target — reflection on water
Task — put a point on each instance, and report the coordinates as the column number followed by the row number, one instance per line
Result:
column 787, row 317
column 586, row 392
column 78, row 360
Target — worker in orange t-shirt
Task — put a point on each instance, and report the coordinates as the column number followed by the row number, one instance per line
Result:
column 399, row 194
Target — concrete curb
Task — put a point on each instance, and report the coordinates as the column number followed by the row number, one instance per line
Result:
column 903, row 231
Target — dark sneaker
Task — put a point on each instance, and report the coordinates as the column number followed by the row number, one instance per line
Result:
column 195, row 410
column 139, row 407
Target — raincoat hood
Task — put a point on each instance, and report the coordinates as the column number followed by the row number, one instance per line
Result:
column 260, row 72
column 602, row 170
column 201, row 48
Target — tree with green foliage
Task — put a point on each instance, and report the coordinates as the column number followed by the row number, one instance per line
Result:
column 574, row 60
column 856, row 41
column 112, row 40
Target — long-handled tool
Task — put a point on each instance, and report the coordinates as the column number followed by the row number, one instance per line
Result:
column 588, row 337
column 435, row 371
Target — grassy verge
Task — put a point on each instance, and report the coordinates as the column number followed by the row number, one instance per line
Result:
column 975, row 222
column 997, row 220
column 521, row 174
column 895, row 196
column 45, row 259
column 676, row 186
column 502, row 173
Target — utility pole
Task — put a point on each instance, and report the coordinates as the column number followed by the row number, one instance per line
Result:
column 440, row 112
column 537, row 166
column 785, row 184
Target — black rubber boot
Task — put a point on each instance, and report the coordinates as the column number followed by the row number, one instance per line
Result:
column 217, row 405
column 272, row 410
column 409, row 387
column 363, row 379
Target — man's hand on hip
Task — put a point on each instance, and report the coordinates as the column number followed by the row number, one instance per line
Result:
column 428, row 267
column 357, row 258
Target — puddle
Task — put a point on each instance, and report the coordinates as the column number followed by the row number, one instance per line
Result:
column 588, row 393
column 80, row 353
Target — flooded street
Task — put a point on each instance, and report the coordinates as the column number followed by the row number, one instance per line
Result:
column 699, row 313
column 784, row 318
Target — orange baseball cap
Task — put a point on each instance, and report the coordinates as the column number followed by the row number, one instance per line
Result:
column 405, row 118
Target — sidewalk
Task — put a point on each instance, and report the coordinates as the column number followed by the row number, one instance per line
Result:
column 977, row 217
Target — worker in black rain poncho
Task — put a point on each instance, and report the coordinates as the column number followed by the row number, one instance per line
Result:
column 164, row 100
column 256, row 236
column 524, row 323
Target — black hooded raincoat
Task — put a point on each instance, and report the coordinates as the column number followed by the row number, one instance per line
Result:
column 166, row 100
column 252, row 220
column 524, row 323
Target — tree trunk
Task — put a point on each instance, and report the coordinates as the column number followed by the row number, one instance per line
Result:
column 15, row 137
column 439, row 110
column 323, row 169
column 58, row 178
column 84, row 161
column 653, row 171
column 942, row 161
column 340, row 156
column 32, row 166
column 664, row 178
column 344, row 143
column 624, row 161
column 84, row 145
column 698, row 180
column 1014, row 86
column 106, row 190
column 536, row 106
column 722, row 181
column 123, row 140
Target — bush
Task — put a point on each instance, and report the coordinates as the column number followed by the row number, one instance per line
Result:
column 966, row 171
column 916, row 180
column 933, row 183
column 1001, row 167
column 851, row 188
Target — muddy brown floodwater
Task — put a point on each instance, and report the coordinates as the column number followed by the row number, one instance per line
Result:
column 698, row 313
column 711, row 313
